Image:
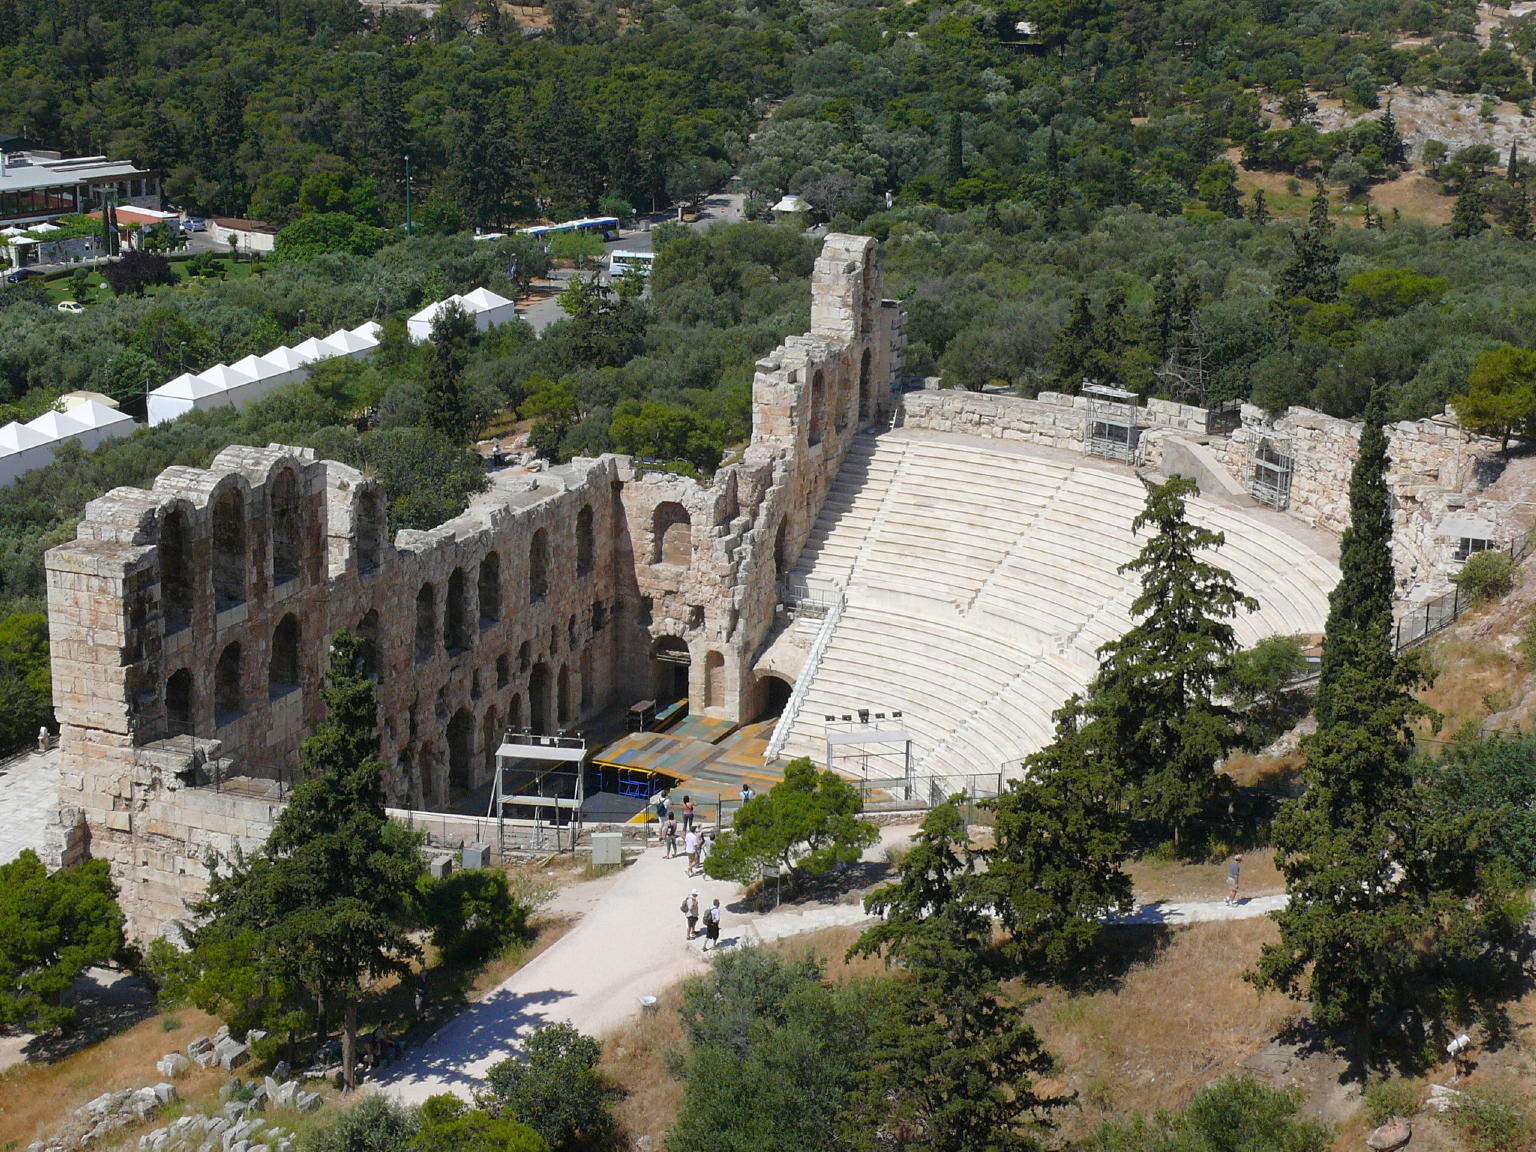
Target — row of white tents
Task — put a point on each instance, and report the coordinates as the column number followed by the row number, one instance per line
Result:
column 84, row 420
column 246, row 381
column 484, row 306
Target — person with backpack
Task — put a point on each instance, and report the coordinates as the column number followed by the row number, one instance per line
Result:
column 690, row 910
column 712, row 926
column 671, row 836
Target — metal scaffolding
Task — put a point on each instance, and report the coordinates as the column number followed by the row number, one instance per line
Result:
column 1113, row 427
column 542, row 779
column 875, row 739
column 1272, row 467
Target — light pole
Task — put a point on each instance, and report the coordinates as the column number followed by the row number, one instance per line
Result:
column 181, row 355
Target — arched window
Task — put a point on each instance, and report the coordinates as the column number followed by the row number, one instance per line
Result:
column 780, row 549
column 866, row 390
column 515, row 711
column 228, row 696
column 584, row 540
column 229, row 549
column 818, row 407
column 714, row 680
column 671, row 534
column 843, row 400
column 538, row 699
column 175, row 572
column 287, row 527
column 455, row 634
column 368, row 643
column 563, row 698
column 178, row 703
column 490, row 590
column 283, row 670
column 370, row 529
column 461, row 751
column 538, row 566
column 426, row 622
column 503, row 670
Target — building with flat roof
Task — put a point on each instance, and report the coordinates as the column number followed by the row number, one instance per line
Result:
column 38, row 186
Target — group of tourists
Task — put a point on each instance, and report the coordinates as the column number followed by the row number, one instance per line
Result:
column 696, row 845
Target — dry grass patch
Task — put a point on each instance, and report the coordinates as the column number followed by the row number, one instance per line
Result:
column 1271, row 772
column 1171, row 1026
column 1475, row 678
column 1170, row 880
column 636, row 1060
column 35, row 1099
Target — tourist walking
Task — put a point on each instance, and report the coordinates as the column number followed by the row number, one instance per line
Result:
column 1234, row 870
column 691, row 846
column 712, row 925
column 671, row 836
column 690, row 911
column 687, row 813
column 42, row 738
column 706, row 846
column 661, row 806
column 746, row 792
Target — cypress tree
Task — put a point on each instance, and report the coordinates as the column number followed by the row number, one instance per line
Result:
column 1467, row 216
column 1260, row 213
column 1394, row 149
column 1512, row 172
column 955, row 163
column 1075, row 345
column 1313, row 270
column 1389, row 910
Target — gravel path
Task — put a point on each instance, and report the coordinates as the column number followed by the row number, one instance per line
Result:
column 629, row 943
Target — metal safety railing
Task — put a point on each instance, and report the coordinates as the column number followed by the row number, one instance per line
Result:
column 797, row 696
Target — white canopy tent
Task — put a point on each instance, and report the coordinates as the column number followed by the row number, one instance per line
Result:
column 488, row 308
column 21, row 450
column 98, row 423
column 179, row 396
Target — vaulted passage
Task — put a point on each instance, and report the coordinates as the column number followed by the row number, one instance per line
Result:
column 461, row 751
column 426, row 622
column 228, row 697
column 179, row 704
column 283, row 672
column 175, row 572
column 489, row 589
column 455, row 633
column 669, row 669
column 671, row 535
column 287, row 528
column 538, row 566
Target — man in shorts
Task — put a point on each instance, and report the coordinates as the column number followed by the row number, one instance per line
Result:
column 690, row 912
column 1234, row 870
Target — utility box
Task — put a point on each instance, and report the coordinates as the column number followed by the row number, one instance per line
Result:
column 607, row 848
column 440, row 867
column 477, row 856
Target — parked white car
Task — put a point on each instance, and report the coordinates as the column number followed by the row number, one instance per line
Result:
column 74, row 307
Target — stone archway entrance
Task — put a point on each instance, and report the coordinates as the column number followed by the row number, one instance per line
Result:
column 461, row 751
column 669, row 670
column 773, row 692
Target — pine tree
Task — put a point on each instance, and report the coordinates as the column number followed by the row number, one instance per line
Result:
column 1152, row 703
column 1467, row 216
column 1394, row 149
column 1074, row 348
column 448, row 409
column 327, row 902
column 1313, row 269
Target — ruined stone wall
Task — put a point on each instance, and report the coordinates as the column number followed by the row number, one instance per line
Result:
column 191, row 621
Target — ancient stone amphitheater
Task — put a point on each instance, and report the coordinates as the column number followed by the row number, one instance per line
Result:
column 950, row 557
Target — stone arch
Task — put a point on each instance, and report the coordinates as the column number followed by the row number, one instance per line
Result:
column 455, row 632
column 426, row 771
column 714, row 680
column 774, row 692
column 563, row 698
column 503, row 670
column 176, row 571
column 818, row 407
column 426, row 621
column 671, row 534
column 370, row 528
column 283, row 670
column 461, row 752
column 781, row 549
column 538, row 699
column 584, row 540
column 368, row 643
column 179, row 704
column 488, row 588
column 287, row 520
column 867, row 405
column 490, row 740
column 538, row 566
column 228, row 697
column 669, row 668
column 515, row 711
column 229, row 550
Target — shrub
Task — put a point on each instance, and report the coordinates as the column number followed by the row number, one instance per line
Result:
column 474, row 914
column 1528, row 640
column 1486, row 576
column 1385, row 1099
column 554, row 1088
column 1490, row 1119
column 378, row 1124
column 1232, row 1113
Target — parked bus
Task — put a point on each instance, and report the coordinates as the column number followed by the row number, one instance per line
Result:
column 605, row 226
column 620, row 262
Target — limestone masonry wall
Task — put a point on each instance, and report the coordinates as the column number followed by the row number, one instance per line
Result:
column 191, row 621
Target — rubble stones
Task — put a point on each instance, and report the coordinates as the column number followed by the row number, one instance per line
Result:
column 1389, row 1136
column 231, row 1053
column 172, row 1065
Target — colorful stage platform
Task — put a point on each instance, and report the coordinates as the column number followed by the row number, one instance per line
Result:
column 710, row 772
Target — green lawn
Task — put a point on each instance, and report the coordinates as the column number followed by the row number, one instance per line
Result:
column 61, row 288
